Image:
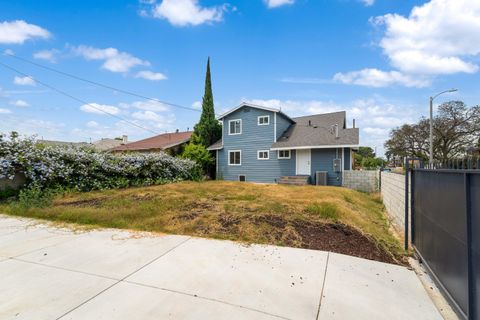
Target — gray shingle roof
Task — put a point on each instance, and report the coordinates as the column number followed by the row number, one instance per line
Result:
column 317, row 130
column 216, row 146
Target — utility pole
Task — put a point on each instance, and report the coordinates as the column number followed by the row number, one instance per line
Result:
column 430, row 162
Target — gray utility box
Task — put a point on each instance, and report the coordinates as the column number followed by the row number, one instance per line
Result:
column 337, row 165
column 321, row 178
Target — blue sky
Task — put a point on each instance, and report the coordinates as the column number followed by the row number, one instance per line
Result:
column 379, row 60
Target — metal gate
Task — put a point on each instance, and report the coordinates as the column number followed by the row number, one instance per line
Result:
column 445, row 229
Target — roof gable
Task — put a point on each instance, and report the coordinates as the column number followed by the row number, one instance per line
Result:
column 249, row 105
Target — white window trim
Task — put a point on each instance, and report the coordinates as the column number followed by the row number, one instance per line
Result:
column 234, row 120
column 263, row 124
column 268, row 155
column 230, row 151
column 284, row 158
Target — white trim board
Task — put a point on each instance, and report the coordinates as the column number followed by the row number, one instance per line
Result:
column 318, row 147
column 241, row 129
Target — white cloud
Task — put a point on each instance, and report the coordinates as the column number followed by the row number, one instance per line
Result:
column 438, row 37
column 92, row 124
column 188, row 12
column 147, row 115
column 368, row 3
column 197, row 105
column 149, row 105
column 24, row 81
column 19, row 103
column 149, row 75
column 154, row 119
column 114, row 60
column 378, row 78
column 278, row 3
column 99, row 108
column 48, row 55
column 19, row 31
column 5, row 111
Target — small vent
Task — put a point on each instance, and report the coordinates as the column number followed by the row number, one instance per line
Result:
column 321, row 178
column 242, row 178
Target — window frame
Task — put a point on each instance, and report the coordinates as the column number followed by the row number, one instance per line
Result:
column 234, row 164
column 229, row 127
column 263, row 124
column 260, row 151
column 284, row 158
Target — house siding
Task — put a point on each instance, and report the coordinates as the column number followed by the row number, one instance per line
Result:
column 282, row 125
column 322, row 160
column 253, row 139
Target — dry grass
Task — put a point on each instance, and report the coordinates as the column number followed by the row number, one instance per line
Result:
column 227, row 210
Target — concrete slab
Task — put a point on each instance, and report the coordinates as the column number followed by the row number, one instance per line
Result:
column 280, row 281
column 109, row 253
column 127, row 301
column 30, row 291
column 362, row 289
column 32, row 237
column 9, row 225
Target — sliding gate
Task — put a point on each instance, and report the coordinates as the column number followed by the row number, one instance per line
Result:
column 445, row 228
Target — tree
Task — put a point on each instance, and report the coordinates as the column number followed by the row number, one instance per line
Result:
column 208, row 129
column 456, row 128
column 365, row 158
column 197, row 152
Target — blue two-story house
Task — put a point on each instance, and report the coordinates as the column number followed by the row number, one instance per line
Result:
column 265, row 145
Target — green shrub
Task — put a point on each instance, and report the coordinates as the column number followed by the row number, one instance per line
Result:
column 325, row 210
column 8, row 193
column 35, row 197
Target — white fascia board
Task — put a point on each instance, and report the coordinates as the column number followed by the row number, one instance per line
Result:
column 318, row 147
column 247, row 105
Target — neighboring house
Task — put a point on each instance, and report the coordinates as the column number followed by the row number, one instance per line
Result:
column 106, row 144
column 56, row 143
column 172, row 143
column 265, row 145
column 103, row 144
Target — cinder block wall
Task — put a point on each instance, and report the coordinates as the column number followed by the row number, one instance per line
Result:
column 17, row 182
column 366, row 181
column 393, row 194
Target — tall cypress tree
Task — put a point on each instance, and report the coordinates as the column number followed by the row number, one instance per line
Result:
column 208, row 129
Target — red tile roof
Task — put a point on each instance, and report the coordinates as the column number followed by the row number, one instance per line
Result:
column 160, row 142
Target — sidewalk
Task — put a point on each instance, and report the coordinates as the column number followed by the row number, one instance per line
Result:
column 54, row 273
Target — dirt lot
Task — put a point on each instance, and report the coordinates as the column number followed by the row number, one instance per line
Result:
column 323, row 218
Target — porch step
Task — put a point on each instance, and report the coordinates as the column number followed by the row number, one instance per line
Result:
column 294, row 180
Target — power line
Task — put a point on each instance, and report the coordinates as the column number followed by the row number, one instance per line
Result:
column 98, row 83
column 75, row 98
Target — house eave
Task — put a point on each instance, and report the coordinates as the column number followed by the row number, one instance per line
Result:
column 316, row 147
column 245, row 104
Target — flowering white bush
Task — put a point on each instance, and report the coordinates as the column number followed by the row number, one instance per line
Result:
column 85, row 169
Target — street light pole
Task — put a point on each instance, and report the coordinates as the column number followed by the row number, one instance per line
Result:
column 431, row 124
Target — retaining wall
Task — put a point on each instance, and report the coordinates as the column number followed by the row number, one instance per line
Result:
column 17, row 182
column 362, row 180
column 393, row 194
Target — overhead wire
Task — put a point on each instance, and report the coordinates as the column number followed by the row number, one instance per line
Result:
column 75, row 98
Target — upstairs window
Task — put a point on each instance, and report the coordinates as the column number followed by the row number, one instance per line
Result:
column 283, row 154
column 263, row 120
column 235, row 127
column 263, row 155
column 235, row 158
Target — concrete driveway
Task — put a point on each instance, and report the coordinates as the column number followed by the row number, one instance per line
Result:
column 54, row 273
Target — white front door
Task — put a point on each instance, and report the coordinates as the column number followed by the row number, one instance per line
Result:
column 303, row 162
